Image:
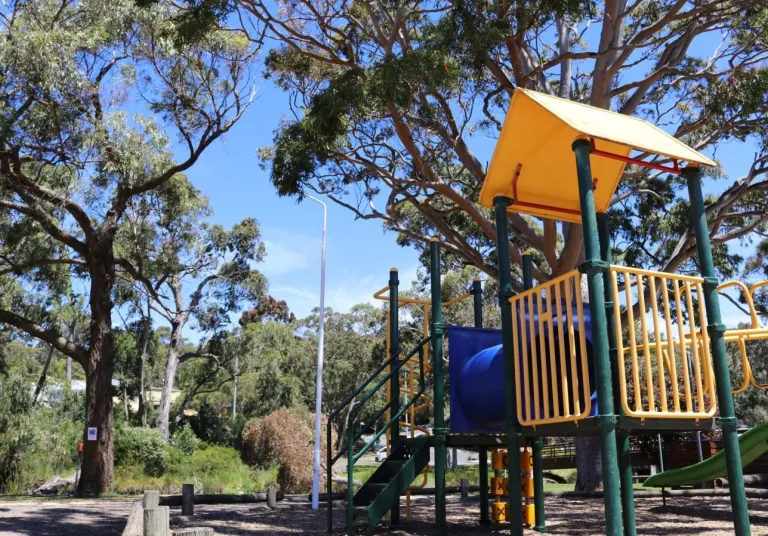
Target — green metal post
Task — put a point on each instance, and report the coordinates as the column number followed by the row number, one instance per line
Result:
column 477, row 302
column 540, row 524
column 716, row 331
column 439, row 388
column 394, row 382
column 622, row 437
column 514, row 506
column 593, row 268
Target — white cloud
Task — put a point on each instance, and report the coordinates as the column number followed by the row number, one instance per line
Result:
column 361, row 290
column 294, row 292
column 288, row 252
column 281, row 260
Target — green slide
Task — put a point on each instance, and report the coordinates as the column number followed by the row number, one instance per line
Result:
column 752, row 444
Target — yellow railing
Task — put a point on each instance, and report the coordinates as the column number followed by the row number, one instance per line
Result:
column 664, row 361
column 740, row 337
column 550, row 349
column 664, row 372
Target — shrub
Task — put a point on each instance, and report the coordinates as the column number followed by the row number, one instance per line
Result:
column 284, row 437
column 220, row 468
column 185, row 440
column 141, row 446
column 51, row 449
column 213, row 469
column 211, row 427
column 16, row 405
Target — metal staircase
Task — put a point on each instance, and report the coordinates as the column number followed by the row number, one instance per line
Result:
column 379, row 494
column 408, row 456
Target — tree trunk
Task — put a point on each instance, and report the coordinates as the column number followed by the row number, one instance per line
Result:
column 234, row 385
column 44, row 374
column 341, row 439
column 589, row 469
column 98, row 456
column 144, row 343
column 166, row 398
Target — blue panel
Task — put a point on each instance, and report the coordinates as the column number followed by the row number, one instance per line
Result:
column 474, row 374
column 476, row 370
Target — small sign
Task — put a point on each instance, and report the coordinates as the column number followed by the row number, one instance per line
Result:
column 93, row 434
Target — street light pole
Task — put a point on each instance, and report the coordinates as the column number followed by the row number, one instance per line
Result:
column 319, row 387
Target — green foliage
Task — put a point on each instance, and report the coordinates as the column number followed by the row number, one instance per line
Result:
column 36, row 442
column 751, row 405
column 196, row 20
column 393, row 114
column 141, row 446
column 80, row 155
column 210, row 426
column 185, row 440
column 52, row 449
column 214, row 469
column 358, row 338
column 303, row 146
column 16, row 428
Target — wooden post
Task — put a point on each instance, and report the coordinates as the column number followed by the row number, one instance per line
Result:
column 151, row 498
column 272, row 497
column 188, row 499
column 156, row 521
column 135, row 524
column 464, row 486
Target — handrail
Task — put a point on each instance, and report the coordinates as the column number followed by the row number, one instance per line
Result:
column 395, row 370
column 379, row 295
column 400, row 413
column 741, row 336
column 350, row 398
column 331, row 459
column 747, row 293
column 351, row 438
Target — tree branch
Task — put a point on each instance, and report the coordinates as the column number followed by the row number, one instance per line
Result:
column 49, row 336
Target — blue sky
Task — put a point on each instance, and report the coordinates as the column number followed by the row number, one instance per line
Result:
column 359, row 253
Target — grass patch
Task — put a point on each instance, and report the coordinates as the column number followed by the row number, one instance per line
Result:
column 214, row 469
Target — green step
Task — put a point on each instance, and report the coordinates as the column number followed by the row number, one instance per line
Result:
column 383, row 489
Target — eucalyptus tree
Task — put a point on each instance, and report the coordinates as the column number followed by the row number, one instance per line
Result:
column 99, row 107
column 192, row 270
column 392, row 101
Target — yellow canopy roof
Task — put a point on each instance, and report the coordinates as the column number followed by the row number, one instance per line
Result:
column 533, row 162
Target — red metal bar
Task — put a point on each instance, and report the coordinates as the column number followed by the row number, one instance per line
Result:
column 629, row 160
column 546, row 207
column 519, row 203
column 514, row 181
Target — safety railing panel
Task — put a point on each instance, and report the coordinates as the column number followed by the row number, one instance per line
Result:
column 664, row 360
column 551, row 350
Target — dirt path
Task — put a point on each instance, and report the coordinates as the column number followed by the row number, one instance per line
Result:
column 683, row 516
column 60, row 517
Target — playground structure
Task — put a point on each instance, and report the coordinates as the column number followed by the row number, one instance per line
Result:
column 644, row 353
